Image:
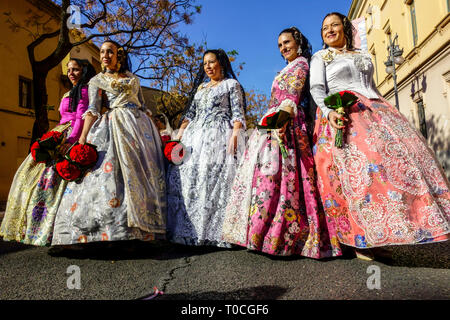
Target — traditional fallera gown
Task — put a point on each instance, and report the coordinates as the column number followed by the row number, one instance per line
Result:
column 274, row 206
column 36, row 190
column 123, row 196
column 198, row 189
column 384, row 186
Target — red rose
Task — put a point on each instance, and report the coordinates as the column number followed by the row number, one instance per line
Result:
column 174, row 151
column 164, row 139
column 34, row 149
column 52, row 134
column 264, row 121
column 40, row 155
column 83, row 154
column 67, row 170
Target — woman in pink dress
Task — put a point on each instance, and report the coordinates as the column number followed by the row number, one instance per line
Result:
column 384, row 186
column 274, row 206
column 37, row 189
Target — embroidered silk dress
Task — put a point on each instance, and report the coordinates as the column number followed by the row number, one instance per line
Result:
column 274, row 206
column 198, row 189
column 36, row 190
column 384, row 187
column 123, row 197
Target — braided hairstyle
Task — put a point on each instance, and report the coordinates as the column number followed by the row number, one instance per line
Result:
column 87, row 72
column 123, row 60
column 227, row 72
column 349, row 30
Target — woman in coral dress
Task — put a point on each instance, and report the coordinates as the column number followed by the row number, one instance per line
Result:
column 37, row 189
column 123, row 197
column 384, row 186
column 274, row 206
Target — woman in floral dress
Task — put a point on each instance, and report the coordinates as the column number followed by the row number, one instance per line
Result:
column 199, row 188
column 274, row 205
column 123, row 197
column 384, row 186
column 37, row 189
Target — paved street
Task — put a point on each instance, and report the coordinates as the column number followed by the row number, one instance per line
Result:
column 26, row 272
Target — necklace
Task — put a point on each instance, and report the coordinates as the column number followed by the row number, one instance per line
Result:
column 341, row 50
column 213, row 84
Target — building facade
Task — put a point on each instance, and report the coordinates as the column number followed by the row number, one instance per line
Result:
column 16, row 103
column 423, row 79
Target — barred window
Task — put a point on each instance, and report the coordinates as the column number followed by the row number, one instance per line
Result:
column 25, row 96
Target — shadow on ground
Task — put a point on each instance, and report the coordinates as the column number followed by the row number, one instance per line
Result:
column 132, row 250
column 12, row 246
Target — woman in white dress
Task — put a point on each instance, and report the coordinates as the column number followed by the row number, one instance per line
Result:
column 123, row 197
column 199, row 188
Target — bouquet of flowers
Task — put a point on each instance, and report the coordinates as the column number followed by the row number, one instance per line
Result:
column 273, row 121
column 78, row 159
column 174, row 151
column 338, row 102
column 45, row 149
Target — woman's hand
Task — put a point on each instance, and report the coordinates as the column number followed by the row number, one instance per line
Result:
column 82, row 140
column 333, row 117
column 179, row 135
column 232, row 143
column 282, row 131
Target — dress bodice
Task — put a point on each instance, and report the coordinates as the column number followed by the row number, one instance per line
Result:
column 213, row 105
column 288, row 85
column 332, row 72
column 120, row 93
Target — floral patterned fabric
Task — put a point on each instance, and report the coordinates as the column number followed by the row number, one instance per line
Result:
column 199, row 188
column 274, row 205
column 36, row 190
column 123, row 196
column 384, row 187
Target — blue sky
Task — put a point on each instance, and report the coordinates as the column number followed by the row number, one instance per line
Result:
column 251, row 27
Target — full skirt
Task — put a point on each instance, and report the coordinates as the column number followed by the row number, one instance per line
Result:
column 384, row 186
column 123, row 196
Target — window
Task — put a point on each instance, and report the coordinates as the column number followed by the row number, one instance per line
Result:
column 412, row 10
column 422, row 120
column 25, row 96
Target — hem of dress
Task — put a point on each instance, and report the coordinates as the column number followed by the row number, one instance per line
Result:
column 196, row 242
column 326, row 256
column 402, row 244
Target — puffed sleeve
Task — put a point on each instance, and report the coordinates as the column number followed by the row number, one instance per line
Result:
column 82, row 106
column 95, row 100
column 291, row 85
column 237, row 103
column 317, row 83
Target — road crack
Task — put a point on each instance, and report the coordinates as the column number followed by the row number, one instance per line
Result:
column 164, row 282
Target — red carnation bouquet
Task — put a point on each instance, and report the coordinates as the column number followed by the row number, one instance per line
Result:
column 78, row 159
column 68, row 170
column 45, row 149
column 174, row 151
column 339, row 101
column 273, row 121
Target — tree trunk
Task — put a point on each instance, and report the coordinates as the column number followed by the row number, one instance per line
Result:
column 40, row 101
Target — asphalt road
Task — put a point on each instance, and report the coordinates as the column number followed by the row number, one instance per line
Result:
column 193, row 273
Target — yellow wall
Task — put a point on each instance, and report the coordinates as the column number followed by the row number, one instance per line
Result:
column 16, row 123
column 428, row 59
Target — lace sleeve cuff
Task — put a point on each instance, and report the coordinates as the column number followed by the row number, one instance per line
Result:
column 242, row 121
column 92, row 112
column 286, row 105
